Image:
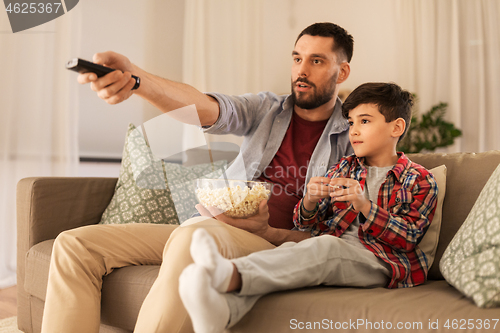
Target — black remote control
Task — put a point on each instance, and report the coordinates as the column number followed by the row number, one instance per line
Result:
column 84, row 66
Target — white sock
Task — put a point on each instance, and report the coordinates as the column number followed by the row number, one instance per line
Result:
column 205, row 253
column 207, row 307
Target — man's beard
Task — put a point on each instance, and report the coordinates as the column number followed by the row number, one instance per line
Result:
column 319, row 96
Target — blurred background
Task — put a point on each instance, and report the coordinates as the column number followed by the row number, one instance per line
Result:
column 443, row 51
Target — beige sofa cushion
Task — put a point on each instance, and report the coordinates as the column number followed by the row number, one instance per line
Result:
column 430, row 241
column 37, row 269
column 427, row 303
column 123, row 293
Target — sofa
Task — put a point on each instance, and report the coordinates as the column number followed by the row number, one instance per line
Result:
column 48, row 206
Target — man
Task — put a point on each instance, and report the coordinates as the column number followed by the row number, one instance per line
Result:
column 303, row 130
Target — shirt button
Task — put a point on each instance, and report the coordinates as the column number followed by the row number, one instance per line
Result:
column 370, row 231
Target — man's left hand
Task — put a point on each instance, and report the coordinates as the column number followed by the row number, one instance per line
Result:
column 257, row 224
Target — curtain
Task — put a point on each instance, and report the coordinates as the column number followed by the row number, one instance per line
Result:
column 222, row 52
column 450, row 52
column 38, row 132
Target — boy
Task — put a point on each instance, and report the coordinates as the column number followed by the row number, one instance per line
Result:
column 377, row 203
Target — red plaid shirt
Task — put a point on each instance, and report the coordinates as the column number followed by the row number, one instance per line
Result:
column 395, row 225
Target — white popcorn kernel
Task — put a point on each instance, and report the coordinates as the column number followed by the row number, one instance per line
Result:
column 234, row 201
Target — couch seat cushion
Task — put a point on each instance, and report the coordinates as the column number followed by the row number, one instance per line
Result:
column 428, row 303
column 123, row 292
column 37, row 269
column 429, row 242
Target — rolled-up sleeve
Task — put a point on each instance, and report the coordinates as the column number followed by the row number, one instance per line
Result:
column 238, row 115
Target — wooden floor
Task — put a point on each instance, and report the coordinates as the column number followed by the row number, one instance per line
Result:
column 8, row 302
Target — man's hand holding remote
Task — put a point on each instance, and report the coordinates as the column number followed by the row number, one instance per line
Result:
column 116, row 86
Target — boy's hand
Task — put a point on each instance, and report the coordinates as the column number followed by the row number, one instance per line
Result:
column 350, row 190
column 317, row 189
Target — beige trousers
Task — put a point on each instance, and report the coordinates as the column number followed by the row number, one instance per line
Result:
column 82, row 256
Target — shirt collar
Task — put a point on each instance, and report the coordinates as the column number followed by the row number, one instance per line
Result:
column 287, row 103
column 338, row 123
column 399, row 169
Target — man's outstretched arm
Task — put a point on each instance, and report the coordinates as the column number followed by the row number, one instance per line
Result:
column 164, row 94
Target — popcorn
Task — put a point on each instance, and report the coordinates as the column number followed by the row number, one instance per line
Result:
column 235, row 201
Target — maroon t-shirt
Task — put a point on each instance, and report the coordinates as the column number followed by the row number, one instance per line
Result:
column 288, row 169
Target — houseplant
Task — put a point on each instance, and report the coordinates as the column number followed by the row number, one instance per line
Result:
column 429, row 132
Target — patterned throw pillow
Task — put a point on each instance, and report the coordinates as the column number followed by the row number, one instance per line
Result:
column 471, row 263
column 182, row 184
column 143, row 193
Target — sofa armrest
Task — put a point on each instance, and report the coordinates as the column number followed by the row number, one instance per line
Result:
column 46, row 206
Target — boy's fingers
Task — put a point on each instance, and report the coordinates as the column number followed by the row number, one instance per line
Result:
column 341, row 198
column 324, row 180
column 319, row 190
column 348, row 182
column 337, row 181
column 346, row 191
column 319, row 180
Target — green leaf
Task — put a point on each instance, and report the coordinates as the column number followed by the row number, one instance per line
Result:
column 429, row 132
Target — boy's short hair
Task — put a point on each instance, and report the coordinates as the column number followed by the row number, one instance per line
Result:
column 343, row 43
column 392, row 101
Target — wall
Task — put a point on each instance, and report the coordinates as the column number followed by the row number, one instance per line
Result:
column 371, row 23
column 150, row 33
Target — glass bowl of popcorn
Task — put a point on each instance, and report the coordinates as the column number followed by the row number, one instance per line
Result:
column 235, row 198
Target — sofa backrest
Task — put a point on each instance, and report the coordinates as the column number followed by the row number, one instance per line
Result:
column 467, row 173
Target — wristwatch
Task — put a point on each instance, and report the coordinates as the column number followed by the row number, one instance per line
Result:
column 137, row 82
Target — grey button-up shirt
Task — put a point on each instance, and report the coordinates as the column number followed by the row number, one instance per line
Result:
column 263, row 120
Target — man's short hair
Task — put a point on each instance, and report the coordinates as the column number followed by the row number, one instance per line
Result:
column 342, row 42
column 392, row 101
